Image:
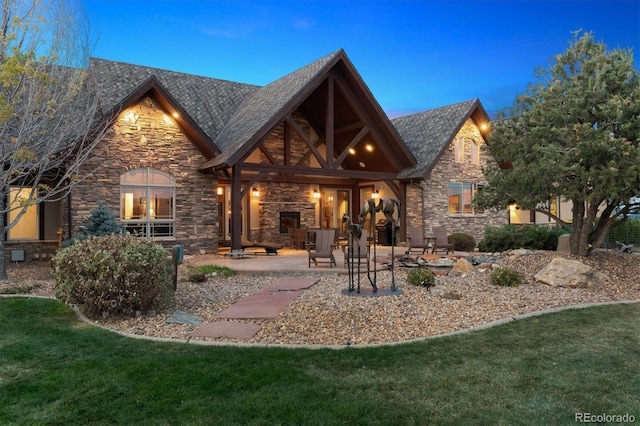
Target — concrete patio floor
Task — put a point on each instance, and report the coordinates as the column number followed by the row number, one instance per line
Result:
column 290, row 261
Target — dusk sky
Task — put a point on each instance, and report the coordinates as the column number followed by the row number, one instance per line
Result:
column 413, row 55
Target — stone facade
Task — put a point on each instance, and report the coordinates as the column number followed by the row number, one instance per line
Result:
column 435, row 190
column 151, row 140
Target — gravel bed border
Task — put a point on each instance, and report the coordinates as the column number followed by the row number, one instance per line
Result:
column 323, row 317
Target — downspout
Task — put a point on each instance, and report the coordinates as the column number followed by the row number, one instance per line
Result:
column 69, row 221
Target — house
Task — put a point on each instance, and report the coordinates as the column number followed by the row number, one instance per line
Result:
column 198, row 161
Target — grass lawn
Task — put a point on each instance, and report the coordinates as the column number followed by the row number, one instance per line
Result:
column 542, row 370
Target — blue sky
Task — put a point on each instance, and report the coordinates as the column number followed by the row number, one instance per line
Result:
column 413, row 55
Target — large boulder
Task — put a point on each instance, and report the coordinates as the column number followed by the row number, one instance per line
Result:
column 462, row 267
column 562, row 272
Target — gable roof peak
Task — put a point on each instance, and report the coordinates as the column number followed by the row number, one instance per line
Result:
column 429, row 133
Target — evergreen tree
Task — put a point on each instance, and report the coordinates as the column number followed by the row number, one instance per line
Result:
column 102, row 221
column 573, row 134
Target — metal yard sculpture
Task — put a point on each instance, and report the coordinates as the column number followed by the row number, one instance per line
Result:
column 391, row 209
column 369, row 209
column 354, row 232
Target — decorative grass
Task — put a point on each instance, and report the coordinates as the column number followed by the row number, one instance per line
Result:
column 541, row 370
column 222, row 271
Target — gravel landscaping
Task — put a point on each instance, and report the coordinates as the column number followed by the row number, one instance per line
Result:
column 323, row 315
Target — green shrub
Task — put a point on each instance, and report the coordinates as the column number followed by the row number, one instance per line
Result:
column 506, row 277
column 102, row 221
column 462, row 241
column 421, row 277
column 627, row 232
column 114, row 275
column 508, row 237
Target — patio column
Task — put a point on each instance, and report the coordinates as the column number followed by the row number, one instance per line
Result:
column 236, row 212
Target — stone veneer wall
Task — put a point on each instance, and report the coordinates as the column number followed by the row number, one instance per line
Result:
column 436, row 190
column 284, row 197
column 279, row 197
column 154, row 141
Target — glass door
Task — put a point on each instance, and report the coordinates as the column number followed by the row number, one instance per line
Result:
column 335, row 203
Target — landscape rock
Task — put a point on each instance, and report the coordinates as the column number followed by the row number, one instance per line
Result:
column 563, row 244
column 480, row 259
column 442, row 262
column 462, row 267
column 520, row 252
column 569, row 273
column 180, row 317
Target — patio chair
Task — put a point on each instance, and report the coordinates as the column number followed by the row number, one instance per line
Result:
column 363, row 243
column 417, row 241
column 441, row 240
column 323, row 247
column 268, row 246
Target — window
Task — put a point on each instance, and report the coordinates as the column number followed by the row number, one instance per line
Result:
column 27, row 226
column 461, row 198
column 459, row 151
column 475, row 152
column 147, row 203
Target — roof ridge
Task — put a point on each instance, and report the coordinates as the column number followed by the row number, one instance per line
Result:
column 457, row 104
column 168, row 71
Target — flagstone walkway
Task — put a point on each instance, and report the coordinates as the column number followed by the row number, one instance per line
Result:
column 265, row 304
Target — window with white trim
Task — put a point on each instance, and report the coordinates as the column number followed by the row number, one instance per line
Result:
column 147, row 203
column 461, row 198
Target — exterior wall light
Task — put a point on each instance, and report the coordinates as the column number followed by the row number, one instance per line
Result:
column 316, row 194
column 255, row 192
column 375, row 194
column 219, row 190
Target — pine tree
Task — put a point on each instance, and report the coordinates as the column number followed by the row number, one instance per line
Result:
column 575, row 134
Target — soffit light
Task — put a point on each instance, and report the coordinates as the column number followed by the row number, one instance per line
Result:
column 131, row 117
column 368, row 147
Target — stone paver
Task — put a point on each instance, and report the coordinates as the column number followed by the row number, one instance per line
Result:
column 230, row 329
column 260, row 305
column 265, row 304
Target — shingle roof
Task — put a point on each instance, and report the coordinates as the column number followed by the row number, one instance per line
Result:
column 427, row 134
column 263, row 106
column 208, row 101
column 233, row 114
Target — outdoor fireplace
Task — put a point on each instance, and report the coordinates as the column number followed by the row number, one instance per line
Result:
column 289, row 220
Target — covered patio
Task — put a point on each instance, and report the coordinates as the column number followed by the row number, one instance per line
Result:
column 291, row 261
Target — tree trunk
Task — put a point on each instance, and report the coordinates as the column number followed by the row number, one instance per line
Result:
column 580, row 229
column 3, row 260
column 584, row 237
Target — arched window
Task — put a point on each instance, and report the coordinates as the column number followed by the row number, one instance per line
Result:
column 147, row 203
